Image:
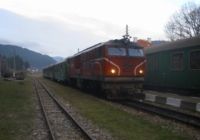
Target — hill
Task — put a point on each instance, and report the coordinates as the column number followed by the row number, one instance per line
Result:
column 35, row 59
column 58, row 58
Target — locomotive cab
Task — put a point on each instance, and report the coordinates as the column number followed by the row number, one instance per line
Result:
column 124, row 69
column 125, row 61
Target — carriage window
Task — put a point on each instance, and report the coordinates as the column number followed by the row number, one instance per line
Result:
column 195, row 60
column 135, row 52
column 117, row 51
column 177, row 61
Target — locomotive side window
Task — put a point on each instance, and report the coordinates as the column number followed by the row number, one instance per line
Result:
column 195, row 60
column 135, row 52
column 177, row 61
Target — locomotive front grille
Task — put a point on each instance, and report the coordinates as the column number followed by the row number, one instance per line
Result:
column 127, row 68
column 124, row 79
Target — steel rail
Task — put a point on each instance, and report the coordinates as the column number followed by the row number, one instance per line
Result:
column 44, row 112
column 66, row 112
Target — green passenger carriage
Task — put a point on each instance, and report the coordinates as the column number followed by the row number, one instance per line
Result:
column 174, row 65
column 57, row 72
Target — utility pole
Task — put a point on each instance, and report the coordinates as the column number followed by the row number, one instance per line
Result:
column 14, row 64
column 0, row 65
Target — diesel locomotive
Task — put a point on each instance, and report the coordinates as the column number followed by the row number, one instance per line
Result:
column 115, row 68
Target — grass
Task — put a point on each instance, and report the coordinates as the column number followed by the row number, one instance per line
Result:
column 120, row 124
column 16, row 110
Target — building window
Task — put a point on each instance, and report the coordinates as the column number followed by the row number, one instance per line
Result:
column 177, row 61
column 195, row 60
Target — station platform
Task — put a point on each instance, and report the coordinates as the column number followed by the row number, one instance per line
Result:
column 185, row 103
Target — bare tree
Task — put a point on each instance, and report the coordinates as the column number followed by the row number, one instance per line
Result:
column 185, row 23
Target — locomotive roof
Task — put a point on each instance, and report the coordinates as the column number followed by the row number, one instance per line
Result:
column 116, row 42
column 90, row 48
column 190, row 42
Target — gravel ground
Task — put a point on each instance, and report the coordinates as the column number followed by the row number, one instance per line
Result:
column 95, row 132
column 40, row 131
column 176, row 127
column 62, row 126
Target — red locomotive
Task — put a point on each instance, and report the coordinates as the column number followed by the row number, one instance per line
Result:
column 115, row 67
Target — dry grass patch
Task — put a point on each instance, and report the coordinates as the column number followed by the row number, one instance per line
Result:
column 16, row 110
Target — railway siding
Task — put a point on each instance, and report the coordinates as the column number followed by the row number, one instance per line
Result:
column 150, row 97
column 176, row 101
column 188, row 105
column 173, row 102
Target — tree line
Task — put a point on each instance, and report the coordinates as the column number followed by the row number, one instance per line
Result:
column 185, row 23
column 8, row 65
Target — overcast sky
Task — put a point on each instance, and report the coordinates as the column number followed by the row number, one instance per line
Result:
column 60, row 27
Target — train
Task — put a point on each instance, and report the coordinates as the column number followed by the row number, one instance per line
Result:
column 116, row 68
column 174, row 65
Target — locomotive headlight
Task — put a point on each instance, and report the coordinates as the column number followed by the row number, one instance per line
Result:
column 113, row 71
column 141, row 71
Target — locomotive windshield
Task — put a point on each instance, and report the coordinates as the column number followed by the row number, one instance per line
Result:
column 116, row 51
column 135, row 52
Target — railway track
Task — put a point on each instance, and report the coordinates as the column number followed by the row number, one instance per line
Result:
column 167, row 113
column 59, row 122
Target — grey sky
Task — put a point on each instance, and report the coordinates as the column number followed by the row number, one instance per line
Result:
column 60, row 27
